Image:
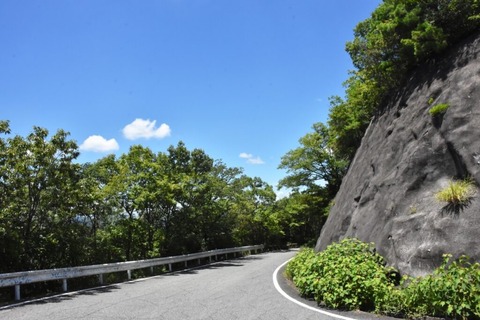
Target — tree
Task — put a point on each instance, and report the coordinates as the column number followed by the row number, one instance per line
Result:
column 397, row 37
column 202, row 220
column 314, row 164
column 314, row 172
column 138, row 188
column 253, row 207
column 100, row 206
column 302, row 215
column 213, row 197
column 39, row 198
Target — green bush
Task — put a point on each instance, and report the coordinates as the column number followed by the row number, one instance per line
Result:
column 350, row 275
column 453, row 290
column 303, row 271
column 353, row 276
column 457, row 192
column 438, row 109
column 347, row 275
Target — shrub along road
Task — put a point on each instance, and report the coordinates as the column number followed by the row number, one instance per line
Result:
column 232, row 289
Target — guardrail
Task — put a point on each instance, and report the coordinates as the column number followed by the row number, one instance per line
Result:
column 24, row 277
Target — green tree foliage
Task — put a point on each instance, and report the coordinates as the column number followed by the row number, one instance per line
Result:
column 100, row 206
column 314, row 173
column 39, row 199
column 314, row 163
column 302, row 215
column 399, row 35
column 55, row 212
column 253, row 207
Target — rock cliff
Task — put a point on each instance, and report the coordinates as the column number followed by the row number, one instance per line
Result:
column 406, row 157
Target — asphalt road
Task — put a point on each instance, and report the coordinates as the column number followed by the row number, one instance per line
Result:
column 234, row 289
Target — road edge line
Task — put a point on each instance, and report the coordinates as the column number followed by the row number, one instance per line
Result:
column 285, row 295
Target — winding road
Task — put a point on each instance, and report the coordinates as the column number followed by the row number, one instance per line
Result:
column 232, row 289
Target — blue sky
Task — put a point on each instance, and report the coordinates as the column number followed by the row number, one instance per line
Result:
column 241, row 79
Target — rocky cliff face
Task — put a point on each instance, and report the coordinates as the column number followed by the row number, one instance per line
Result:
column 406, row 156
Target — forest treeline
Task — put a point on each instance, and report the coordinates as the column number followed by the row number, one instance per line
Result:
column 399, row 36
column 56, row 212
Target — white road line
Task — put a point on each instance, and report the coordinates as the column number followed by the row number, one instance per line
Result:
column 283, row 293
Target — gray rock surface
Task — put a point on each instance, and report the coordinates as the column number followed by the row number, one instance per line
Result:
column 406, row 156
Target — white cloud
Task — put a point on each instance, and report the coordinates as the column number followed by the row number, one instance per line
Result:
column 99, row 144
column 245, row 155
column 141, row 128
column 251, row 159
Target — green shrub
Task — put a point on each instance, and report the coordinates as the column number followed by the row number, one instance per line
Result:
column 391, row 300
column 302, row 271
column 346, row 275
column 457, row 192
column 438, row 109
column 453, row 290
column 353, row 276
column 350, row 275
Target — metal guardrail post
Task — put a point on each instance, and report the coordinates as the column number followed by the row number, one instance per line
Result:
column 64, row 285
column 17, row 292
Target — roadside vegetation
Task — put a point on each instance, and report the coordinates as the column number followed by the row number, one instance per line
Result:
column 349, row 275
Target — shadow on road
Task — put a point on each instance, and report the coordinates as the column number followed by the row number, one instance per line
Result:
column 236, row 262
column 65, row 296
column 58, row 298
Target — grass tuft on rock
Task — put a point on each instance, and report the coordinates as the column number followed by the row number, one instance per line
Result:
column 457, row 192
column 438, row 109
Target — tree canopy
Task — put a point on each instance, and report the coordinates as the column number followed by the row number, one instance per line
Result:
column 397, row 37
column 55, row 212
